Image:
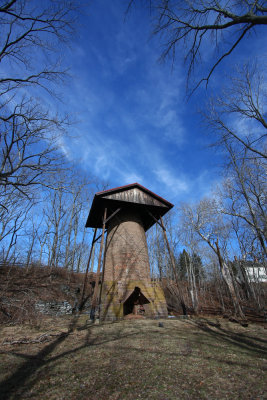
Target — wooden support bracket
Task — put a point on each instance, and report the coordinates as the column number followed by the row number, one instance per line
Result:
column 99, row 237
column 155, row 219
column 112, row 215
column 105, row 222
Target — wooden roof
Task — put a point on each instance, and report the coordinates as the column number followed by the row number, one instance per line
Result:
column 130, row 196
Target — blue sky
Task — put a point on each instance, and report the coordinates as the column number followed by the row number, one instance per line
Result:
column 133, row 122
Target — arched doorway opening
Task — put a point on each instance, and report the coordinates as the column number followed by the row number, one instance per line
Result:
column 134, row 304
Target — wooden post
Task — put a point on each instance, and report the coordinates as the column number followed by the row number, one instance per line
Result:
column 169, row 250
column 102, row 279
column 86, row 272
column 94, row 301
column 173, row 267
column 93, row 258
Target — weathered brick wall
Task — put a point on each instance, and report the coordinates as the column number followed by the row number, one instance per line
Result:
column 113, row 299
column 127, row 253
column 127, row 267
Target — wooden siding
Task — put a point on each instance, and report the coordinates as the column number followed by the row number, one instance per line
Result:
column 136, row 196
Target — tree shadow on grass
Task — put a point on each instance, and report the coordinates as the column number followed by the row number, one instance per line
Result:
column 26, row 375
column 246, row 342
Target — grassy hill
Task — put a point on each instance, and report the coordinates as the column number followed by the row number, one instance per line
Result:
column 68, row 358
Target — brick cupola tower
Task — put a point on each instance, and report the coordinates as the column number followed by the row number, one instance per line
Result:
column 127, row 287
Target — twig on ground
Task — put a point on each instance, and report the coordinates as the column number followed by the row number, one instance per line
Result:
column 46, row 337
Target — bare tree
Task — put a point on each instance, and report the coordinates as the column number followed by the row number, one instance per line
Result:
column 188, row 271
column 81, row 251
column 238, row 119
column 27, row 29
column 75, row 210
column 31, row 232
column 238, row 115
column 56, row 215
column 60, row 234
column 12, row 228
column 244, row 196
column 158, row 257
column 28, row 148
column 204, row 220
column 192, row 24
column 30, row 31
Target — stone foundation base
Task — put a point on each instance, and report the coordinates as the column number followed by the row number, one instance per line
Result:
column 116, row 300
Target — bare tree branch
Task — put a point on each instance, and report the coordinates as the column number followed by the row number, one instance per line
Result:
column 244, row 100
column 28, row 133
column 190, row 25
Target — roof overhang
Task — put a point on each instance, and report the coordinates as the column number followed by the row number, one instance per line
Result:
column 134, row 196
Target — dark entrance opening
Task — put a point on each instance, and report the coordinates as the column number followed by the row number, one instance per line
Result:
column 134, row 303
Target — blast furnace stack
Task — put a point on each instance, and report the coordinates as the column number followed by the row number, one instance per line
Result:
column 127, row 212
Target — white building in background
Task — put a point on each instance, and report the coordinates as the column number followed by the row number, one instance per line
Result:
column 256, row 273
column 250, row 271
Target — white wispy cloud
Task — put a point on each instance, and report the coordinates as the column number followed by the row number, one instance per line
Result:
column 174, row 183
column 131, row 114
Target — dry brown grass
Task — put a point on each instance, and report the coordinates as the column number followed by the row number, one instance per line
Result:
column 135, row 359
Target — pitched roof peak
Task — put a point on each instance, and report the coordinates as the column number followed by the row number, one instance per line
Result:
column 132, row 185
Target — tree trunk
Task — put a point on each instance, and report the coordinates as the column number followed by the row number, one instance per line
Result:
column 229, row 282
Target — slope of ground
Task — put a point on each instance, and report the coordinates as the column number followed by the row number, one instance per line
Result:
column 22, row 288
column 24, row 292
column 68, row 358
